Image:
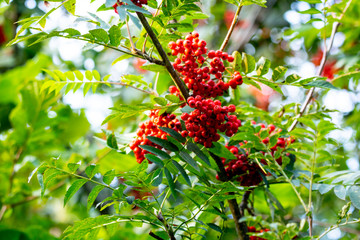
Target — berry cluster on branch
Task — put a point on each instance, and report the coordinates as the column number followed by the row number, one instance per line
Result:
column 245, row 171
column 209, row 116
column 202, row 71
column 151, row 128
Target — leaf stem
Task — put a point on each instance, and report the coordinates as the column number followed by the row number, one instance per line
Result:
column 232, row 27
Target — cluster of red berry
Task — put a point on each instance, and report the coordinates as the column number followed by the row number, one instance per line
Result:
column 208, row 117
column 253, row 229
column 197, row 70
column 151, row 128
column 138, row 3
column 245, row 171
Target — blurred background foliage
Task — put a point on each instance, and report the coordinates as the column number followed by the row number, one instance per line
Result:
column 35, row 126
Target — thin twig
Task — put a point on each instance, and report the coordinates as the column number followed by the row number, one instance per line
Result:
column 137, row 53
column 337, row 226
column 321, row 67
column 130, row 38
column 231, row 29
column 241, row 227
column 174, row 75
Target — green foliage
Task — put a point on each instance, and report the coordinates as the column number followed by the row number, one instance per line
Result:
column 174, row 192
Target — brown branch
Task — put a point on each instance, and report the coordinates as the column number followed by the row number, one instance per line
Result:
column 174, row 75
column 155, row 236
column 241, row 227
column 232, row 27
column 244, row 202
column 168, row 229
column 156, row 13
column 320, row 69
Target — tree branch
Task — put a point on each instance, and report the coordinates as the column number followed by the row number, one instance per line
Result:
column 155, row 236
column 241, row 227
column 321, row 67
column 231, row 29
column 156, row 13
column 174, row 75
column 244, row 202
column 137, row 53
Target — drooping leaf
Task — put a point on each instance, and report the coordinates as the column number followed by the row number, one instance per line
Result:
column 221, row 151
column 91, row 170
column 278, row 73
column 170, row 182
column 154, row 159
column 161, row 101
column 263, row 66
column 194, row 148
column 93, row 195
column 109, row 176
column 112, row 142
column 75, row 186
column 183, row 172
column 154, row 68
column 248, row 63
column 156, row 151
column 187, row 158
column 100, row 34
column 114, row 36
column 354, row 194
column 321, row 84
column 163, row 143
column 174, row 134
